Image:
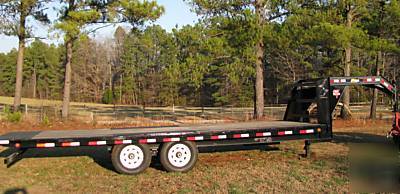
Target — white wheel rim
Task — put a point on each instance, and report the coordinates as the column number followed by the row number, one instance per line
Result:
column 179, row 155
column 131, row 156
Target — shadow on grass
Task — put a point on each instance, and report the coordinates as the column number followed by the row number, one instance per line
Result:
column 15, row 191
column 100, row 155
column 229, row 148
column 356, row 137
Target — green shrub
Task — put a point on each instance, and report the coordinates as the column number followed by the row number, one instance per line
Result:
column 108, row 97
column 45, row 120
column 11, row 116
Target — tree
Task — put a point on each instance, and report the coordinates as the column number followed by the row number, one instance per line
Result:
column 76, row 16
column 7, row 72
column 119, row 38
column 352, row 11
column 338, row 31
column 258, row 14
column 13, row 17
column 383, row 28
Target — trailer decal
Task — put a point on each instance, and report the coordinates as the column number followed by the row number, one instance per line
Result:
column 4, row 142
column 354, row 80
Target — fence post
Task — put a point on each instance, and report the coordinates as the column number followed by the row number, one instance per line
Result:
column 26, row 109
column 91, row 117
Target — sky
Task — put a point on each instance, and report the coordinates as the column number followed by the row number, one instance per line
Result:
column 177, row 12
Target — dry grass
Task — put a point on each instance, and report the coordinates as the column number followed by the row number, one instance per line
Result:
column 38, row 102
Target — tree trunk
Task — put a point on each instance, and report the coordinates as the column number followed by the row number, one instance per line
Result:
column 259, row 66
column 372, row 113
column 120, row 89
column 20, row 58
column 19, row 72
column 259, row 87
column 67, row 81
column 347, row 65
column 34, row 83
column 346, row 94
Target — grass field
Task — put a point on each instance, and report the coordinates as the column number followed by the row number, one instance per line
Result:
column 256, row 171
column 38, row 102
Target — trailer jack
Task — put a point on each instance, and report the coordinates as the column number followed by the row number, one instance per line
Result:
column 14, row 157
column 307, row 148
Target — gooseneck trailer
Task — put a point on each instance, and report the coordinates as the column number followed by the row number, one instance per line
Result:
column 177, row 147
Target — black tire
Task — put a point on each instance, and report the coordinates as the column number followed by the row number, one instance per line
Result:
column 175, row 166
column 138, row 162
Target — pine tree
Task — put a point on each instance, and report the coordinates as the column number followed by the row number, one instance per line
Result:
column 13, row 17
column 76, row 16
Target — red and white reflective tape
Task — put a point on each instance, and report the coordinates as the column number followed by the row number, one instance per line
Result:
column 4, row 142
column 368, row 80
column 215, row 137
column 385, row 84
column 263, row 134
column 125, row 141
column 147, row 141
column 335, row 81
column 285, row 132
column 196, row 138
column 45, row 145
column 171, row 139
column 70, row 144
column 243, row 135
column 97, row 143
column 306, row 131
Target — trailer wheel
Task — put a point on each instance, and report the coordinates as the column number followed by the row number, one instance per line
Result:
column 131, row 159
column 178, row 156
